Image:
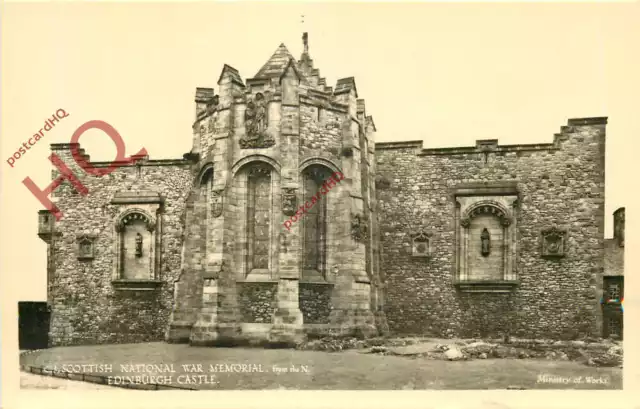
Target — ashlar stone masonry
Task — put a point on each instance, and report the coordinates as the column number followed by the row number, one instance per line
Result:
column 484, row 240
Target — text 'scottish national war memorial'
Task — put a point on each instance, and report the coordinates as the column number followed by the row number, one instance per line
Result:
column 233, row 243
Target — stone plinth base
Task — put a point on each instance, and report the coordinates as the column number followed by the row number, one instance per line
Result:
column 287, row 327
column 381, row 322
column 179, row 332
column 219, row 334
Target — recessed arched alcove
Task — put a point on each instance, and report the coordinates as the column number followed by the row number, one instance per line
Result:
column 486, row 245
column 254, row 194
column 137, row 239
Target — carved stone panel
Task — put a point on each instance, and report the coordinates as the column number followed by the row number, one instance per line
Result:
column 256, row 123
column 217, row 198
column 421, row 244
column 86, row 248
column 358, row 227
column 289, row 201
column 553, row 242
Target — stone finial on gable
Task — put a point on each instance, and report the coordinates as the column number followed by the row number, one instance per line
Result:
column 291, row 68
column 230, row 72
column 369, row 123
column 204, row 94
column 361, row 107
column 346, row 85
column 618, row 226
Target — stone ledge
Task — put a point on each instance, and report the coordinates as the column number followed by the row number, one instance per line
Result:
column 312, row 282
column 398, row 145
column 505, row 188
column 602, row 120
column 136, row 285
column 258, row 281
column 136, row 197
column 486, row 286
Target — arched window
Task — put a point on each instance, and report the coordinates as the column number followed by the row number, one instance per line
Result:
column 258, row 218
column 314, row 224
column 206, row 180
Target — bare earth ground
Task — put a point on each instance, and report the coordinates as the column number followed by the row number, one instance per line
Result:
column 351, row 369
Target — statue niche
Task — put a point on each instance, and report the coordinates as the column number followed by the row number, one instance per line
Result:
column 255, row 123
column 135, row 232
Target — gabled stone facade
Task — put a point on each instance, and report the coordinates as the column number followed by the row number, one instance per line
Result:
column 287, row 218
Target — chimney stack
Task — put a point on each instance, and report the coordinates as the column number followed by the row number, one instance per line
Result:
column 618, row 226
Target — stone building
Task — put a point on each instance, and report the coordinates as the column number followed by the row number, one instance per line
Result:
column 612, row 290
column 287, row 219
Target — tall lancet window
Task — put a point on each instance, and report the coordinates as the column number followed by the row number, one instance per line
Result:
column 314, row 224
column 206, row 183
column 258, row 218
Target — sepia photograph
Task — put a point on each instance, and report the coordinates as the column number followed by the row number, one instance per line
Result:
column 231, row 196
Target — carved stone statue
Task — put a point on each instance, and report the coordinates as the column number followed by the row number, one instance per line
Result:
column 138, row 245
column 255, row 122
column 260, row 122
column 485, row 241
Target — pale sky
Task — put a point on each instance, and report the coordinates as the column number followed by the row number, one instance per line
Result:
column 444, row 73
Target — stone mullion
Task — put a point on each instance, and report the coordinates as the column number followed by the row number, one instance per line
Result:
column 465, row 254
column 505, row 253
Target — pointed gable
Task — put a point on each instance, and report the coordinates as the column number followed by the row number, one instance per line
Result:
column 291, row 65
column 233, row 73
column 277, row 64
column 346, row 85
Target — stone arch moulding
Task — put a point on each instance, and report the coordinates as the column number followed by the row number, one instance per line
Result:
column 255, row 159
column 139, row 252
column 499, row 201
column 484, row 207
column 320, row 161
column 132, row 214
column 202, row 172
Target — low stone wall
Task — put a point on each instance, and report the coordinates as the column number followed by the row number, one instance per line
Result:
column 257, row 301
